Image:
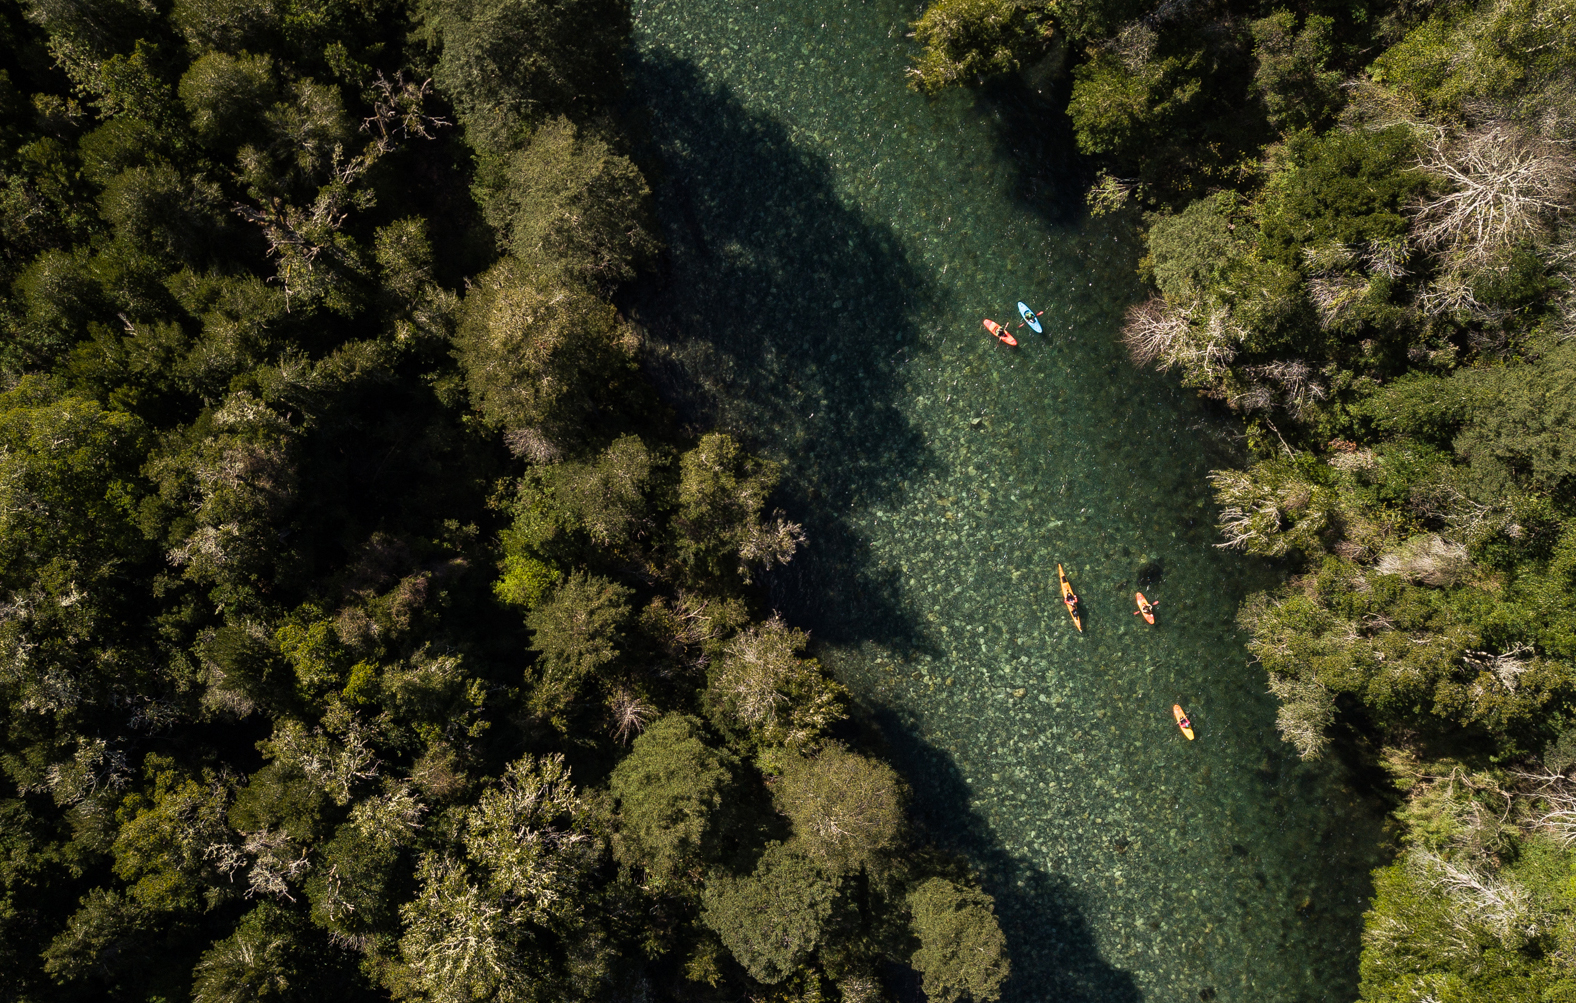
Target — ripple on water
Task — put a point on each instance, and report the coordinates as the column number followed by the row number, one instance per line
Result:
column 833, row 242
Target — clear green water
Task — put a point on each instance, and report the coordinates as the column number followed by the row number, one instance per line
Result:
column 834, row 241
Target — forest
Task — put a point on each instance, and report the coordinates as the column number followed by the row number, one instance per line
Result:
column 1359, row 223
column 369, row 628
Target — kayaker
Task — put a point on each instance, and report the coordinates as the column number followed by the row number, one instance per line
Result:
column 1072, row 602
column 1145, row 609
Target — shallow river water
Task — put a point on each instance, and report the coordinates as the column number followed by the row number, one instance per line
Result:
column 834, row 240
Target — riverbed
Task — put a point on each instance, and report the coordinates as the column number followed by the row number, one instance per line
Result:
column 833, row 242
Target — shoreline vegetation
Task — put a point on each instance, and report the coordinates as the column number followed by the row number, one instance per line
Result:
column 368, row 626
column 1360, row 229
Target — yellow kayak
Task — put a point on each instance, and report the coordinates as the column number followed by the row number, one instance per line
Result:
column 1072, row 602
column 1182, row 721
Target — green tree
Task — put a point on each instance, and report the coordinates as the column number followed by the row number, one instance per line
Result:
column 1293, row 78
column 566, row 201
column 1519, row 434
column 354, row 889
column 154, row 209
column 475, row 928
column 773, row 919
column 227, row 96
column 1191, row 251
column 562, row 506
column 673, row 790
column 577, row 633
column 846, row 809
column 226, row 25
column 762, row 687
column 106, row 936
column 272, row 955
column 236, row 478
column 67, row 482
column 722, row 493
column 165, row 834
column 508, row 64
column 1276, row 506
column 962, row 952
column 536, row 354
column 1344, row 187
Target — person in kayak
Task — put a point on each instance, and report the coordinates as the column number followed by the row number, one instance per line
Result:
column 1072, row 602
column 1146, row 609
column 1023, row 323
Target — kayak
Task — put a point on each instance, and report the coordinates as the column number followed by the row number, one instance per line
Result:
column 1030, row 317
column 1142, row 602
column 1067, row 590
column 1182, row 721
column 1000, row 332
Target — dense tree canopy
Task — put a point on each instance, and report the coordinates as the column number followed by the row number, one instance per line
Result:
column 369, row 629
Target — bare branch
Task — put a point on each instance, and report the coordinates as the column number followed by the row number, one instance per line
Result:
column 1504, row 186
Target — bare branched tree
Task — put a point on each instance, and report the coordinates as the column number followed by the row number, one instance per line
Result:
column 531, row 444
column 1481, row 897
column 1452, row 294
column 1387, row 257
column 399, row 111
column 630, row 712
column 1467, row 520
column 1555, row 797
column 1429, row 559
column 1306, row 712
column 1290, row 382
column 1151, row 328
column 1162, row 332
column 1334, row 296
column 1504, row 186
column 1134, row 45
column 1507, row 666
column 770, row 543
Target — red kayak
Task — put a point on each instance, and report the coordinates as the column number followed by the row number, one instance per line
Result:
column 1000, row 332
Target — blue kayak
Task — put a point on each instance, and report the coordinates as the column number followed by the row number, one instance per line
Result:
column 1030, row 317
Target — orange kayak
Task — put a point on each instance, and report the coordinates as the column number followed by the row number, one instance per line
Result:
column 1146, row 613
column 1072, row 607
column 1182, row 721
column 1000, row 332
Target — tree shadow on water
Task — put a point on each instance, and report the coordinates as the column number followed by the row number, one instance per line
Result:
column 1032, row 129
column 786, row 318
column 1054, row 955
column 783, row 317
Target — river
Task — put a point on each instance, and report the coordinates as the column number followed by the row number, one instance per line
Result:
column 833, row 241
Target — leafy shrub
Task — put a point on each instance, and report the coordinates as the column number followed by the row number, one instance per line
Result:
column 1343, row 187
